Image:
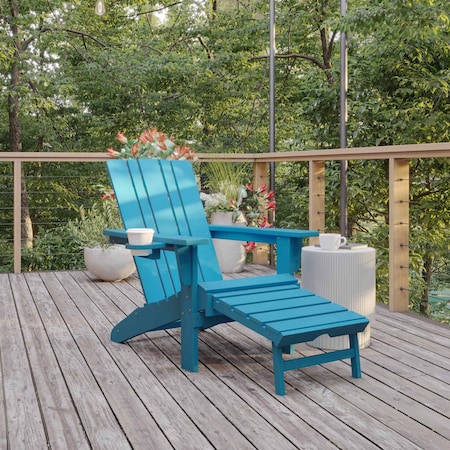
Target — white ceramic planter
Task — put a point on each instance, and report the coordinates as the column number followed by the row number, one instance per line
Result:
column 230, row 254
column 109, row 264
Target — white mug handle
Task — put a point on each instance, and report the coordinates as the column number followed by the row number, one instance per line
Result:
column 343, row 241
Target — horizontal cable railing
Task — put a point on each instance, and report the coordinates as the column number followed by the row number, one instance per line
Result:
column 398, row 157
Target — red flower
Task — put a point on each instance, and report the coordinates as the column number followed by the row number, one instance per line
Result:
column 112, row 153
column 135, row 149
column 109, row 195
column 184, row 152
column 263, row 223
column 161, row 137
column 121, row 138
column 270, row 195
column 262, row 188
column 249, row 246
column 151, row 144
column 271, row 205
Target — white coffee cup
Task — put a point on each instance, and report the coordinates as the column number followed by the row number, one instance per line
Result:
column 140, row 236
column 331, row 242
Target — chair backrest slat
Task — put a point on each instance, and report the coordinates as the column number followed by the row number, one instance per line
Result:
column 162, row 195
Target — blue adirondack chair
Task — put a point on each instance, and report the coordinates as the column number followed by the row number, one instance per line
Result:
column 182, row 283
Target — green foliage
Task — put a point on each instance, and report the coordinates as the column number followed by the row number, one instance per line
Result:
column 53, row 249
column 400, row 78
column 226, row 178
column 204, row 76
column 229, row 191
column 87, row 230
column 292, row 195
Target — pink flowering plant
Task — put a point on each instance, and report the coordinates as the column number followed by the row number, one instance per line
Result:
column 256, row 205
column 150, row 144
column 243, row 201
column 253, row 205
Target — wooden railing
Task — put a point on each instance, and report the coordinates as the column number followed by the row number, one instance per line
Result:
column 398, row 157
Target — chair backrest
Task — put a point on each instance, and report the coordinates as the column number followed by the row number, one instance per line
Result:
column 163, row 195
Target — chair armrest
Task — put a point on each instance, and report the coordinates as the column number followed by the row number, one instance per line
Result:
column 121, row 237
column 267, row 235
column 289, row 242
column 187, row 260
column 180, row 241
column 116, row 236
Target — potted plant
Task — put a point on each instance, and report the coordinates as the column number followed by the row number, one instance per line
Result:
column 150, row 144
column 256, row 205
column 225, row 191
column 108, row 262
column 114, row 262
column 229, row 202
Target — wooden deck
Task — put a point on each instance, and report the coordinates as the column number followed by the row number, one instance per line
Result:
column 65, row 385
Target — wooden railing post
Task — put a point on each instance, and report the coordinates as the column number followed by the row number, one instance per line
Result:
column 398, row 234
column 316, row 197
column 260, row 176
column 17, row 227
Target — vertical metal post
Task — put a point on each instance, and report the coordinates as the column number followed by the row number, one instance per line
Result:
column 343, row 127
column 272, row 50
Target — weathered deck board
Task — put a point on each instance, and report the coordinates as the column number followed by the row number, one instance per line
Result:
column 23, row 424
column 66, row 385
column 59, row 412
column 143, row 359
column 349, row 403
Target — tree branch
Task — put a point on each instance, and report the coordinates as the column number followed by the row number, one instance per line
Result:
column 76, row 32
column 310, row 58
column 203, row 44
column 143, row 13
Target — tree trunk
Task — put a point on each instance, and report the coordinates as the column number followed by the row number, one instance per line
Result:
column 15, row 127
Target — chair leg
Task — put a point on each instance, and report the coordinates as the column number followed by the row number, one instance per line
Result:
column 288, row 349
column 355, row 360
column 151, row 316
column 278, row 372
column 189, row 343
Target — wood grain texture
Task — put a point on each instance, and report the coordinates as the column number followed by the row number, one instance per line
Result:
column 66, row 385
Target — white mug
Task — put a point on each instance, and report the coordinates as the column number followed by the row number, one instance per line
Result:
column 331, row 242
column 140, row 236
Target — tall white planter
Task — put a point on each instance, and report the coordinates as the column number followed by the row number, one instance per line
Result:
column 109, row 264
column 231, row 254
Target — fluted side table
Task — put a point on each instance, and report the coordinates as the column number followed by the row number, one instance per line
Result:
column 346, row 277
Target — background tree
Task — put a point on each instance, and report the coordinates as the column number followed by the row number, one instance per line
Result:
column 400, row 94
column 199, row 70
